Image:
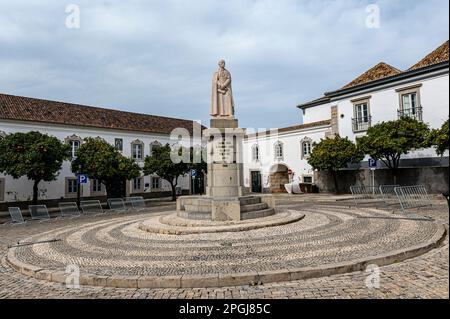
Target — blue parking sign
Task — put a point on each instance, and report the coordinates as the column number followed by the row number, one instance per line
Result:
column 194, row 173
column 372, row 163
column 82, row 179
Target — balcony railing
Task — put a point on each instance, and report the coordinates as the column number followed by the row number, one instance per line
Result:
column 415, row 113
column 361, row 124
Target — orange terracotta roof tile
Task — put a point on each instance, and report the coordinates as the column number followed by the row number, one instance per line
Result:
column 36, row 110
column 437, row 56
column 380, row 71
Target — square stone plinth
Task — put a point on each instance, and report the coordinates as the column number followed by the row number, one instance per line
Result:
column 224, row 123
column 226, row 209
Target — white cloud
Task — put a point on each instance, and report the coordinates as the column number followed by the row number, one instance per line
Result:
column 158, row 56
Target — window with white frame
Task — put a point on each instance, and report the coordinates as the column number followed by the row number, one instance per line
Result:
column 409, row 105
column 279, row 151
column 361, row 115
column 138, row 184
column 74, row 141
column 71, row 187
column 156, row 183
column 96, row 186
column 306, row 147
column 409, row 99
column 255, row 153
column 137, row 150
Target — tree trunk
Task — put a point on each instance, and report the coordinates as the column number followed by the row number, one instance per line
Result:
column 174, row 195
column 394, row 175
column 35, row 191
column 336, row 188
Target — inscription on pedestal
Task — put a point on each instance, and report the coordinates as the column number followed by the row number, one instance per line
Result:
column 224, row 151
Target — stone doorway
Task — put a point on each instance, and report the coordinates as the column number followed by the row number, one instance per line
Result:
column 278, row 177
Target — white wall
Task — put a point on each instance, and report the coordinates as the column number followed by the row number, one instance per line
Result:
column 384, row 103
column 292, row 153
column 317, row 113
column 21, row 189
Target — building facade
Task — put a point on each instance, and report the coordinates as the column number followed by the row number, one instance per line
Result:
column 133, row 135
column 382, row 93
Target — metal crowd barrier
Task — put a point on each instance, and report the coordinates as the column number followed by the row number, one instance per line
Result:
column 366, row 195
column 412, row 197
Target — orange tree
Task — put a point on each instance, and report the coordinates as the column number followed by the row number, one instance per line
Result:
column 333, row 154
column 162, row 163
column 388, row 141
column 100, row 160
column 34, row 155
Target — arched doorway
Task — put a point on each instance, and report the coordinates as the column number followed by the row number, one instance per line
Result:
column 278, row 177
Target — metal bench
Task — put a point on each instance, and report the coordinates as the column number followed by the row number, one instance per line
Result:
column 117, row 205
column 16, row 215
column 90, row 207
column 137, row 202
column 69, row 209
column 39, row 212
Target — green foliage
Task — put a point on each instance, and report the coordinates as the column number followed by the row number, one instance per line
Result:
column 387, row 141
column 100, row 160
column 161, row 164
column 439, row 138
column 334, row 153
column 34, row 155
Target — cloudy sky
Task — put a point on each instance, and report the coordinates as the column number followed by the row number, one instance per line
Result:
column 158, row 57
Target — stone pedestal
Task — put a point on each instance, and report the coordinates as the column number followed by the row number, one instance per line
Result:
column 225, row 193
column 225, row 176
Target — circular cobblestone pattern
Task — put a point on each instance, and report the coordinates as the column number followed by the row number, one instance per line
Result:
column 163, row 251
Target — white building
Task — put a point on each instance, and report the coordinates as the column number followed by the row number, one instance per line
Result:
column 382, row 93
column 134, row 134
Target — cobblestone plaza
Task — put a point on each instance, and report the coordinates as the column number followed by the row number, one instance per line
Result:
column 310, row 249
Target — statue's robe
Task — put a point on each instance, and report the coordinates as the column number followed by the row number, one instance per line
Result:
column 222, row 103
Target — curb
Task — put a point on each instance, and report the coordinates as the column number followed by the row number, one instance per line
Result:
column 229, row 279
column 225, row 229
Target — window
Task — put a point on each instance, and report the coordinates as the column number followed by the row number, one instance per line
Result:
column 156, row 183
column 409, row 104
column 153, row 144
column 2, row 189
column 409, row 99
column 307, row 179
column 306, row 147
column 255, row 153
column 279, row 150
column 361, row 115
column 74, row 141
column 118, row 143
column 75, row 145
column 71, row 187
column 96, row 187
column 137, row 185
column 137, row 150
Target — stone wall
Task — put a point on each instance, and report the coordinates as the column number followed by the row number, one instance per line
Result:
column 435, row 179
column 277, row 181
